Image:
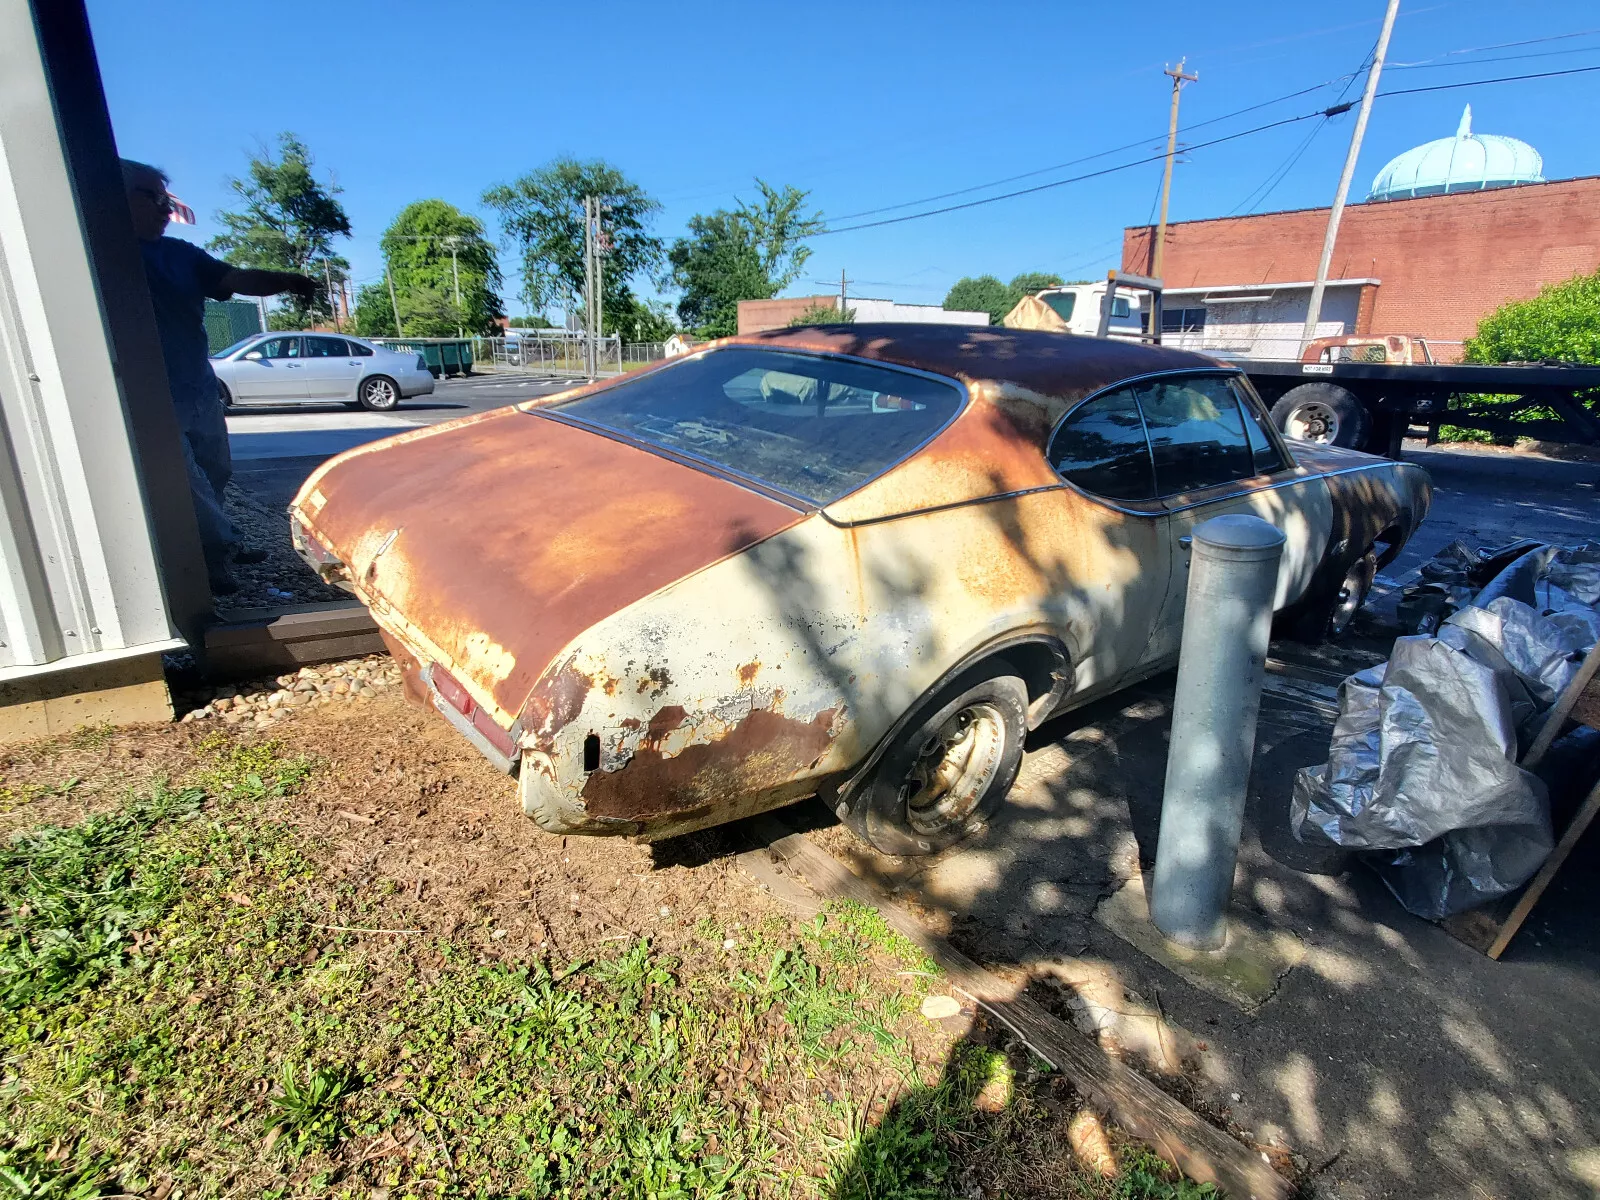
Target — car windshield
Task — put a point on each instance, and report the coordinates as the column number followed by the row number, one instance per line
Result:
column 812, row 426
column 1062, row 302
column 237, row 346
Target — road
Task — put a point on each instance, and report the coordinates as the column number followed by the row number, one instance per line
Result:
column 1482, row 496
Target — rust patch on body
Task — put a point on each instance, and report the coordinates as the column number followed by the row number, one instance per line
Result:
column 655, row 681
column 748, row 672
column 664, row 722
column 556, row 703
column 763, row 751
column 521, row 532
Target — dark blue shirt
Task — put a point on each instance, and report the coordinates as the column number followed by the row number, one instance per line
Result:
column 181, row 276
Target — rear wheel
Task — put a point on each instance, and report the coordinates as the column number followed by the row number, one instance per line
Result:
column 379, row 393
column 1329, row 614
column 1323, row 412
column 224, row 394
column 948, row 769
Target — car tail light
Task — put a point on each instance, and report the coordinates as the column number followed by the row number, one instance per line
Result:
column 452, row 692
column 497, row 737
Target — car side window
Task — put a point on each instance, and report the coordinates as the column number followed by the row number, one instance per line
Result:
column 1119, row 307
column 1268, row 458
column 360, row 351
column 1101, row 447
column 1197, row 436
column 324, row 347
column 282, row 347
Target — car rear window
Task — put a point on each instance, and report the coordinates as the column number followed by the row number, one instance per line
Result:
column 813, row 426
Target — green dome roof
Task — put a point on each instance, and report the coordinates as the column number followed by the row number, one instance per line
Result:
column 1468, row 162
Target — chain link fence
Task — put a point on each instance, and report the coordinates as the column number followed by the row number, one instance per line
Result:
column 551, row 352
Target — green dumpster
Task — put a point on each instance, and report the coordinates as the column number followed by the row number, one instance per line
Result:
column 444, row 356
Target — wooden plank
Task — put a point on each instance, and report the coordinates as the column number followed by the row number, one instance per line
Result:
column 1530, row 896
column 1199, row 1150
column 1562, row 709
column 270, row 641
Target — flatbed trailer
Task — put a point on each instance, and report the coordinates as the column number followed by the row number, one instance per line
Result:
column 1374, row 405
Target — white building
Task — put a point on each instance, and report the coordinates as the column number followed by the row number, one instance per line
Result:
column 871, row 310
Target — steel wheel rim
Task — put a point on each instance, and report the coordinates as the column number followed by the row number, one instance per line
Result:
column 380, row 393
column 954, row 769
column 1352, row 595
column 1313, row 421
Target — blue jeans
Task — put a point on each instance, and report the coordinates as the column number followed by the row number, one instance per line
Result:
column 209, row 464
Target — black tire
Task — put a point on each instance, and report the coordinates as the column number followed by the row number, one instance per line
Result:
column 224, row 395
column 379, row 393
column 909, row 806
column 1323, row 412
column 1328, row 615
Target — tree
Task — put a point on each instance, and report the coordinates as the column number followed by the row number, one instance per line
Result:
column 1561, row 323
column 287, row 223
column 646, row 321
column 751, row 253
column 987, row 294
column 824, row 314
column 543, row 214
column 374, row 317
column 533, row 322
column 983, row 293
column 418, row 246
column 1030, row 282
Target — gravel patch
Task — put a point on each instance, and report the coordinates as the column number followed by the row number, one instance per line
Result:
column 356, row 680
column 283, row 578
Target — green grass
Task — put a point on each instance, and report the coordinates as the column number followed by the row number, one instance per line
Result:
column 176, row 1011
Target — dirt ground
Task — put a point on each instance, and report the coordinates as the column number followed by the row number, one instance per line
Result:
column 401, row 869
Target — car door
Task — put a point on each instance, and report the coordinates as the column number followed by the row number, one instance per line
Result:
column 1213, row 455
column 1112, row 514
column 271, row 370
column 331, row 371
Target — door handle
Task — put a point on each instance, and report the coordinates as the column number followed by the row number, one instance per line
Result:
column 1185, row 542
column 292, row 366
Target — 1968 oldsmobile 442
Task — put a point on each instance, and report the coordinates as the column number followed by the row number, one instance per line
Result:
column 850, row 561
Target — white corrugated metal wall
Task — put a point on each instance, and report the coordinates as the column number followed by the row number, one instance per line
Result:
column 80, row 582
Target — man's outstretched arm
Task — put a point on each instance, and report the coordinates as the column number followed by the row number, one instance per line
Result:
column 248, row 281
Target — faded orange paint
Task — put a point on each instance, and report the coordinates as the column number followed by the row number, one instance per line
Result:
column 498, row 539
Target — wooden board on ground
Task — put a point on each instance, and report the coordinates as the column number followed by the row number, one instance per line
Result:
column 1200, row 1151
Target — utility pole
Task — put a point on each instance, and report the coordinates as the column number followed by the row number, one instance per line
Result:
column 333, row 302
column 1314, row 309
column 452, row 241
column 1179, row 78
column 394, row 304
column 588, row 286
column 843, row 307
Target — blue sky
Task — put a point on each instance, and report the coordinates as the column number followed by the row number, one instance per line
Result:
column 866, row 104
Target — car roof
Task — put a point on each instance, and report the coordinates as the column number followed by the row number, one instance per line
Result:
column 1062, row 366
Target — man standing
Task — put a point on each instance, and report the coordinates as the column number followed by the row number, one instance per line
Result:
column 181, row 277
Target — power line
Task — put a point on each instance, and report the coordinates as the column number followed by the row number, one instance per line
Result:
column 1445, row 87
column 1434, row 65
column 1331, row 111
column 1042, row 187
column 978, row 187
column 1555, row 37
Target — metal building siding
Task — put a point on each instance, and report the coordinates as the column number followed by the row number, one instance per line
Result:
column 80, row 580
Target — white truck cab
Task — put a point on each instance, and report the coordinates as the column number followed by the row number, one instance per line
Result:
column 1075, row 308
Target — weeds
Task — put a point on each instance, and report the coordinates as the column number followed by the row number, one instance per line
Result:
column 74, row 898
column 307, row 1114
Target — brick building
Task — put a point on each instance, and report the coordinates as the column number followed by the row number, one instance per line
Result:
column 1429, row 265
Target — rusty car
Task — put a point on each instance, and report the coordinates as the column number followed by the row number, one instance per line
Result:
column 858, row 562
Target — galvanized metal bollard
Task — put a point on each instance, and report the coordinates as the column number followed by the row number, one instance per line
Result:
column 1227, row 618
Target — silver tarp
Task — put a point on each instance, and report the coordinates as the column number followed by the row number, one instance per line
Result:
column 1422, row 773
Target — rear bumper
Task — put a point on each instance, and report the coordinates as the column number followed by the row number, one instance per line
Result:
column 416, row 385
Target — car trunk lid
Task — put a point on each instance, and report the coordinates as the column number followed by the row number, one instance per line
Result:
column 490, row 543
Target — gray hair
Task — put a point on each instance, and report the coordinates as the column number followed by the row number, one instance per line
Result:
column 133, row 169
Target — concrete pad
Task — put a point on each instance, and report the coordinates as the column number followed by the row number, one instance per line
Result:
column 125, row 691
column 1245, row 972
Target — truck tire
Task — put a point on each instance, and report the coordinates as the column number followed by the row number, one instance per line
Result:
column 1323, row 412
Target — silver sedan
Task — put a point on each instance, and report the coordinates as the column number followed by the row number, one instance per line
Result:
column 305, row 368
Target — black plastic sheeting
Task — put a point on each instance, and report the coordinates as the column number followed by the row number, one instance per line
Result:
column 1422, row 775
